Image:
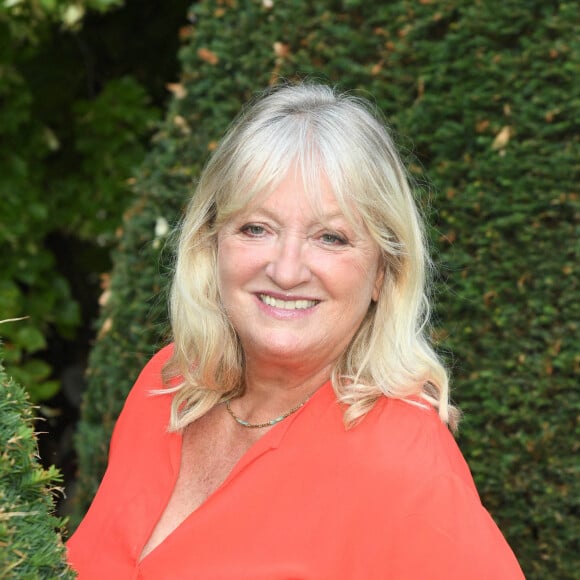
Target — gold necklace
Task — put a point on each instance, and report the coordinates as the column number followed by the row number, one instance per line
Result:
column 267, row 423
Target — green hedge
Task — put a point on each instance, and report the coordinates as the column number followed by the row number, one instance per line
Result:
column 30, row 540
column 483, row 99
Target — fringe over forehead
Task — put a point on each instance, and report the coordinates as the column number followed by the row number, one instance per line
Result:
column 317, row 133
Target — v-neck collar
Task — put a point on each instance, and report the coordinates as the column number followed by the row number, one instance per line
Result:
column 274, row 437
column 270, row 441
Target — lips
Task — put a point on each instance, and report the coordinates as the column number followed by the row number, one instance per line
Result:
column 287, row 304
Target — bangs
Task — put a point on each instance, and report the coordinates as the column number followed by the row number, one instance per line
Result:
column 316, row 145
column 268, row 153
column 258, row 164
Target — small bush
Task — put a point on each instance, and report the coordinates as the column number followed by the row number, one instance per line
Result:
column 30, row 535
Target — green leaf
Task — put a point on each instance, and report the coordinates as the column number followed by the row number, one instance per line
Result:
column 43, row 391
column 29, row 338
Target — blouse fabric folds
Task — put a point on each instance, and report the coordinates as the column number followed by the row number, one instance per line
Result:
column 391, row 498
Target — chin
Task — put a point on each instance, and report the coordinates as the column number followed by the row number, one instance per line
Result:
column 281, row 349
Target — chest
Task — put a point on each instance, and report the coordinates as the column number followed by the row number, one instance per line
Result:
column 208, row 455
column 287, row 512
column 300, row 503
column 207, row 458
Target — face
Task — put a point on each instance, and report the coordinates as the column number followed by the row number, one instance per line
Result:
column 296, row 278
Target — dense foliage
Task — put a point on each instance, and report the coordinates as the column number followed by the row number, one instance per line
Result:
column 75, row 117
column 30, row 541
column 483, row 99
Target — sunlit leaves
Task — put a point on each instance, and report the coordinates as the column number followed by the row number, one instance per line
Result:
column 65, row 164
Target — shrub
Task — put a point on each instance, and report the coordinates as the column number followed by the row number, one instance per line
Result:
column 65, row 157
column 486, row 96
column 30, row 540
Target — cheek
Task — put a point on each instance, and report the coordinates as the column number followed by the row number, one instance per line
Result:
column 236, row 264
column 363, row 286
column 225, row 270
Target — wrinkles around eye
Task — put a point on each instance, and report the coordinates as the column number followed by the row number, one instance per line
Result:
column 334, row 239
column 253, row 230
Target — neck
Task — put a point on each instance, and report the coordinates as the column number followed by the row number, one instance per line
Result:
column 272, row 391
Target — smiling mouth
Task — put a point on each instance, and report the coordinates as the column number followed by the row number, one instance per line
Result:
column 287, row 304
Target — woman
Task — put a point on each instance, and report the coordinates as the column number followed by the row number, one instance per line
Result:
column 297, row 427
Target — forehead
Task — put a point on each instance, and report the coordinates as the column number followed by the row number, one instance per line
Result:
column 313, row 197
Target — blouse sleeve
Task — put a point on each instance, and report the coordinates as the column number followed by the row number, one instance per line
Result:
column 451, row 535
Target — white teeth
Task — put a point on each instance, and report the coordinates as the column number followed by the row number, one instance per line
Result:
column 287, row 304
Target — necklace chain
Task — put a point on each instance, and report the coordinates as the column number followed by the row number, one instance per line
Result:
column 267, row 423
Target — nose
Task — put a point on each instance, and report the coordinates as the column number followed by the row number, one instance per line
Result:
column 288, row 266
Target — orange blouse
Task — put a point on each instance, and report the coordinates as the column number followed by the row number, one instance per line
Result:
column 391, row 498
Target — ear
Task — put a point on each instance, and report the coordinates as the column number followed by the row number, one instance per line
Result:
column 378, row 280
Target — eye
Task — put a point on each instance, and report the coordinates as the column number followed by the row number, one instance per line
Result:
column 253, row 230
column 333, row 239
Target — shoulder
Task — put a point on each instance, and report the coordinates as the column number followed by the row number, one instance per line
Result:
column 150, row 376
column 434, row 498
column 408, row 444
column 406, row 428
column 144, row 406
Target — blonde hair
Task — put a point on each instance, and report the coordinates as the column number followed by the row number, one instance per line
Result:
column 320, row 132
